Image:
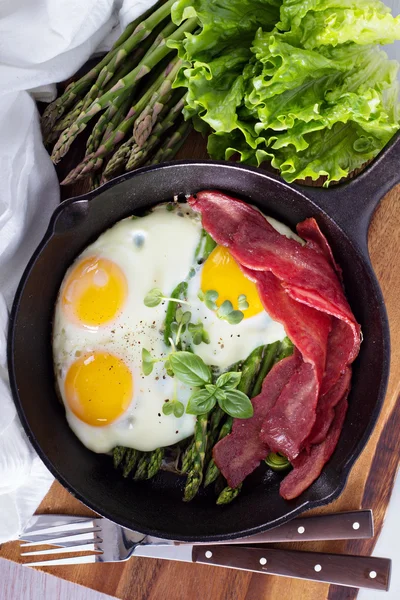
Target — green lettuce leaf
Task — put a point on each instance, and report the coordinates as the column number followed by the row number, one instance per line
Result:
column 305, row 87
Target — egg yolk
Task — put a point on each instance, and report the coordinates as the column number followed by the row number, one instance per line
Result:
column 94, row 291
column 222, row 273
column 98, row 388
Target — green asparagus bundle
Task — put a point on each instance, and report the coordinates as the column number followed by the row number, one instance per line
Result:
column 126, row 95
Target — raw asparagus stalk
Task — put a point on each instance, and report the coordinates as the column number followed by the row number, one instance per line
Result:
column 178, row 138
column 195, row 474
column 90, row 160
column 228, row 494
column 139, row 152
column 150, row 60
column 78, row 89
column 131, row 458
column 146, row 120
column 105, row 123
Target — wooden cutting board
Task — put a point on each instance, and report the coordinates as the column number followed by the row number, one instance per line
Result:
column 369, row 485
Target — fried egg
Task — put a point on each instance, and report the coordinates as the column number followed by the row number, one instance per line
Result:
column 101, row 325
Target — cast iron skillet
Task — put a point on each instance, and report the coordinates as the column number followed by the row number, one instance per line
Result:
column 155, row 507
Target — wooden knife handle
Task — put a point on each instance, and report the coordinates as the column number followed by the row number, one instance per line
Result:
column 351, row 525
column 354, row 571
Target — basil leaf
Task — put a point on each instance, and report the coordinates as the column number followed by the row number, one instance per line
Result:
column 189, row 368
column 235, row 317
column 168, row 408
column 229, row 381
column 200, row 402
column 236, row 404
column 147, row 362
column 153, row 298
column 219, row 394
column 178, row 408
column 210, row 388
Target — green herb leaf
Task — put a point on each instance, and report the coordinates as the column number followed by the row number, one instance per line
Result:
column 205, row 337
column 186, row 317
column 174, row 327
column 168, row 408
column 147, row 362
column 225, row 309
column 229, row 381
column 190, row 368
column 168, row 368
column 210, row 298
column 242, row 302
column 200, row 295
column 178, row 314
column 197, row 339
column 234, row 317
column 178, row 408
column 201, row 402
column 153, row 298
column 236, row 404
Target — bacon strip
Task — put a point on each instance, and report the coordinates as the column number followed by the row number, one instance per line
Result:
column 325, row 409
column 300, row 286
column 240, row 452
column 308, row 467
column 290, row 421
column 309, row 231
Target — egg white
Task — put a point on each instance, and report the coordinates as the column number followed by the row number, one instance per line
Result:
column 156, row 250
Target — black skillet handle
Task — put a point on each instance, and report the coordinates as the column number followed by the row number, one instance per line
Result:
column 352, row 204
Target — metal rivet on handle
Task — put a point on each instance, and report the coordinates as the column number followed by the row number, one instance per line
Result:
column 372, row 574
column 301, row 529
column 317, row 568
column 356, row 525
column 263, row 561
column 208, row 554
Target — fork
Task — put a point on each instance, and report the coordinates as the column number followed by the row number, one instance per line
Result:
column 109, row 542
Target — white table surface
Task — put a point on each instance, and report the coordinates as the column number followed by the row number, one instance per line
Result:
column 21, row 583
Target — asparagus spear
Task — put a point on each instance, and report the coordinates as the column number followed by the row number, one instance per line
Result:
column 131, row 458
column 104, row 124
column 285, row 350
column 228, row 494
column 212, row 471
column 118, row 455
column 142, row 467
column 90, row 160
column 188, row 457
column 78, row 89
column 178, row 138
column 267, row 362
column 195, row 474
column 140, row 152
column 155, row 461
column 150, row 60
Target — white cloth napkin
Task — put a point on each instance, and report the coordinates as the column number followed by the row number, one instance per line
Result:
column 41, row 42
